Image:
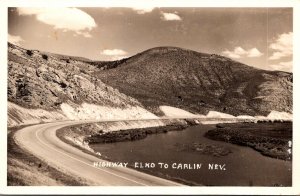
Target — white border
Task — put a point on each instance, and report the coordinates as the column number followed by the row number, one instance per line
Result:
column 294, row 190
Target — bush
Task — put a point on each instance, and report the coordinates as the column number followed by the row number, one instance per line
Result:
column 45, row 57
column 29, row 52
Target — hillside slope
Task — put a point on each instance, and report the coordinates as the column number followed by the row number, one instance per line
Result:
column 198, row 83
column 51, row 87
column 78, row 88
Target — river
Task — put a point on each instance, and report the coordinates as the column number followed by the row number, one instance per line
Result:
column 242, row 167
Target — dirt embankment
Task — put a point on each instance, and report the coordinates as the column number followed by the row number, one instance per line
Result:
column 24, row 169
column 270, row 139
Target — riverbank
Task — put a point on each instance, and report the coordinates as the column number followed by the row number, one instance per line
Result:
column 270, row 139
column 24, row 169
column 109, row 132
column 131, row 134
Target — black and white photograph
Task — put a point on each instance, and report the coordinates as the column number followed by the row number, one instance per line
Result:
column 149, row 96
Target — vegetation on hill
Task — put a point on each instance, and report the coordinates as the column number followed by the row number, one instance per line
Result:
column 169, row 76
column 199, row 82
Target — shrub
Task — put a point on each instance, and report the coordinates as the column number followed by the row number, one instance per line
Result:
column 29, row 52
column 45, row 57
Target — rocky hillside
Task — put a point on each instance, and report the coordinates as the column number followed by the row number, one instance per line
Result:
column 39, row 81
column 68, row 87
column 198, row 82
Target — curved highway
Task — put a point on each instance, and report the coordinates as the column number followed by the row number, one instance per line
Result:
column 41, row 141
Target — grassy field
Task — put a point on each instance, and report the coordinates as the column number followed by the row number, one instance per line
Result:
column 270, row 139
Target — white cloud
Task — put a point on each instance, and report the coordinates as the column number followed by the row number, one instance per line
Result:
column 170, row 16
column 114, row 54
column 283, row 66
column 254, row 52
column 283, row 46
column 143, row 10
column 15, row 39
column 239, row 52
column 67, row 19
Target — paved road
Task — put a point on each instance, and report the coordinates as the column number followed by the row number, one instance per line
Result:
column 42, row 142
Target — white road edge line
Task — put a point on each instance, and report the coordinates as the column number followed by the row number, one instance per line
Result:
column 36, row 133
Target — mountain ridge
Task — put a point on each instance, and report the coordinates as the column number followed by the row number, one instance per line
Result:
column 146, row 74
column 171, row 76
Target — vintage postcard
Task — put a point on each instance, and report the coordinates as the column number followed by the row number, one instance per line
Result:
column 122, row 97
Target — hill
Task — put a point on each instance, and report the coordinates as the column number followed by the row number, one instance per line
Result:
column 44, row 87
column 60, row 86
column 198, row 82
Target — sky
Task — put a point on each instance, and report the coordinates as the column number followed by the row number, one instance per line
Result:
column 259, row 37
